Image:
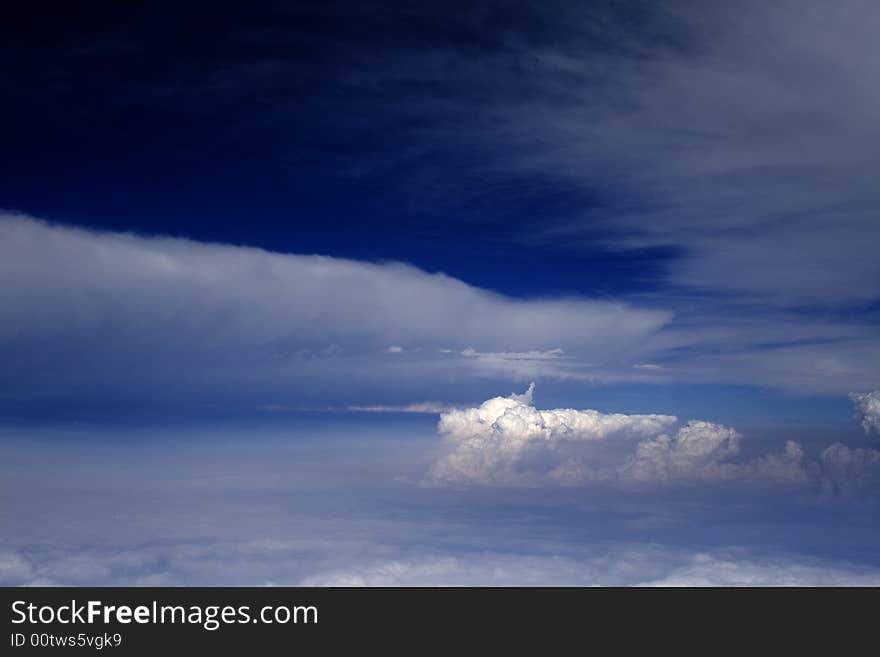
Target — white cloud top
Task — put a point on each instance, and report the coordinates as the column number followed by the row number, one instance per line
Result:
column 506, row 440
column 515, row 419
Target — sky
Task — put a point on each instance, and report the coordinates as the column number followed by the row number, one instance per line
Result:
column 459, row 293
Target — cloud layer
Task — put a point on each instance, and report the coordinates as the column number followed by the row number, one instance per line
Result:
column 94, row 317
column 606, row 565
column 86, row 314
column 339, row 503
column 632, row 568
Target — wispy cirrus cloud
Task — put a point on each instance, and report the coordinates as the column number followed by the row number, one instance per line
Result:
column 743, row 137
column 739, row 142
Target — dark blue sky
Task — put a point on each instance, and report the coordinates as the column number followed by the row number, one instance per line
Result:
column 265, row 126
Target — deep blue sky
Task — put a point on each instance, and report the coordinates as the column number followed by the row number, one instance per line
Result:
column 256, row 126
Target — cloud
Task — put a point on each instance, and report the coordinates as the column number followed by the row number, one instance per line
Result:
column 695, row 447
column 847, row 470
column 506, row 441
column 743, row 137
column 701, row 451
column 515, row 418
column 114, row 318
column 429, row 408
column 868, row 408
column 102, row 316
column 628, row 565
column 268, row 562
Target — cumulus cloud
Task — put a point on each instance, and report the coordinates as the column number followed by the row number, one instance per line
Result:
column 702, row 451
column 516, row 418
column 846, row 470
column 697, row 448
column 506, row 441
column 84, row 313
column 868, row 408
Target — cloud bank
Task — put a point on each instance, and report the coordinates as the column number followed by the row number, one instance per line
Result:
column 506, row 441
column 96, row 317
column 88, row 314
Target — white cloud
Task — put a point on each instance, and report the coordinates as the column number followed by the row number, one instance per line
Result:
column 707, row 569
column 258, row 562
column 246, row 507
column 526, row 365
column 109, row 316
column 622, row 565
column 88, row 313
column 696, row 448
column 506, row 441
column 846, row 470
column 702, row 451
column 549, row 354
column 868, row 407
column 515, row 418
column 428, row 408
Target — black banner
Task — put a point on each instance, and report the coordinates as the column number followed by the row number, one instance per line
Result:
column 150, row 620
